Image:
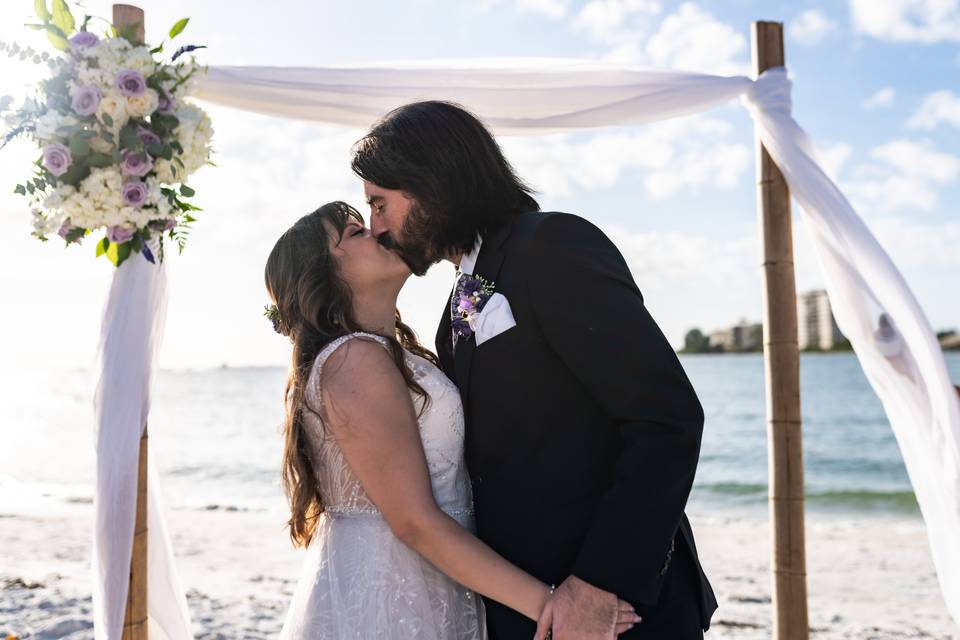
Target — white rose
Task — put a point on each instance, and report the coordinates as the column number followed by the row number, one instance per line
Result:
column 144, row 104
column 114, row 104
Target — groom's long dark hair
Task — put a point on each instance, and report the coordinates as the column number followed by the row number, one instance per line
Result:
column 443, row 156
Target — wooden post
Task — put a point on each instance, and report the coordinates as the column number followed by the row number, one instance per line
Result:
column 135, row 622
column 781, row 357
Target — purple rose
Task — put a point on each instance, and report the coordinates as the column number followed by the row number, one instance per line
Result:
column 131, row 83
column 118, row 234
column 56, row 158
column 136, row 163
column 134, row 193
column 83, row 40
column 86, row 100
column 165, row 103
column 147, row 137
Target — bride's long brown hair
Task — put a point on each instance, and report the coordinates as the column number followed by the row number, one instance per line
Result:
column 315, row 308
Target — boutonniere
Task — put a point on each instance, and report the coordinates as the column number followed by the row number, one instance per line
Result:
column 472, row 294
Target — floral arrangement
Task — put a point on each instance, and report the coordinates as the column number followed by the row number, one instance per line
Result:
column 472, row 294
column 117, row 138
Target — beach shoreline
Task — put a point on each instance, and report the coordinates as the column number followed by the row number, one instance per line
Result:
column 870, row 576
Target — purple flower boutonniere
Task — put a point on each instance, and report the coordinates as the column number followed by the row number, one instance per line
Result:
column 471, row 295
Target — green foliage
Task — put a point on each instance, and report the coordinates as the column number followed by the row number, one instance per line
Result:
column 62, row 17
column 178, row 28
column 117, row 253
column 40, row 6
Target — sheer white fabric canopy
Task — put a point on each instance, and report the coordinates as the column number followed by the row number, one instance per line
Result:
column 872, row 303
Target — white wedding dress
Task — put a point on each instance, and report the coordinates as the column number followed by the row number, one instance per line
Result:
column 359, row 580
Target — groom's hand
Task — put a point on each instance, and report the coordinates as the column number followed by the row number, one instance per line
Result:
column 583, row 612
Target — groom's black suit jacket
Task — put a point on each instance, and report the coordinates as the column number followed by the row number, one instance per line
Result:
column 583, row 431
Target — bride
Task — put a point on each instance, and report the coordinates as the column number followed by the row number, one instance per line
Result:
column 373, row 462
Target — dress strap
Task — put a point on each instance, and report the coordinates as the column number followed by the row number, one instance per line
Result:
column 328, row 350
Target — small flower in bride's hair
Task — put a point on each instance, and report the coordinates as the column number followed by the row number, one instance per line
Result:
column 272, row 313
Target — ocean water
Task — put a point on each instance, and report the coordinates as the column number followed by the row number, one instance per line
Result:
column 216, row 437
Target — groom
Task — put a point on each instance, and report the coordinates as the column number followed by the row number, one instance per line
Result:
column 583, row 432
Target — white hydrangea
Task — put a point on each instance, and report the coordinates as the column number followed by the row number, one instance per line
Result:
column 47, row 223
column 112, row 56
column 99, row 203
column 49, row 122
column 194, row 134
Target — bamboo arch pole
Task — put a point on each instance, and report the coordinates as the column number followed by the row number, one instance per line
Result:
column 781, row 357
column 135, row 621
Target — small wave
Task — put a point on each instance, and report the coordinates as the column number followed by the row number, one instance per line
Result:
column 852, row 499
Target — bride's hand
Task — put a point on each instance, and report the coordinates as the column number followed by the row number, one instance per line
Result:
column 626, row 619
column 545, row 621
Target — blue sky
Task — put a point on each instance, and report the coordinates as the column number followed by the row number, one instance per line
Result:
column 875, row 85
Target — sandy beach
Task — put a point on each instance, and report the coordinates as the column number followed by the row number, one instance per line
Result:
column 871, row 577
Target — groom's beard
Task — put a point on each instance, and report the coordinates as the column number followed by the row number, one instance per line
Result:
column 416, row 247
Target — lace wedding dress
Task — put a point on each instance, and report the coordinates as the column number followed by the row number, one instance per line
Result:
column 359, row 580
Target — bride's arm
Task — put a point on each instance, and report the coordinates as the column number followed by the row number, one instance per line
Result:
column 367, row 406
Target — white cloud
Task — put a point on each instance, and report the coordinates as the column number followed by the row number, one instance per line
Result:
column 882, row 98
column 689, row 38
column 613, row 21
column 913, row 245
column 904, row 174
column 811, row 27
column 923, row 21
column 939, row 107
column 834, row 157
column 673, row 154
column 553, row 9
column 693, row 39
column 659, row 259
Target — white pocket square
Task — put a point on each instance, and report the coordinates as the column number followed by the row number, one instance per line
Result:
column 495, row 318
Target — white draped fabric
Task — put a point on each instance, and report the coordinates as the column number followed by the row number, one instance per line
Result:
column 871, row 301
column 130, row 336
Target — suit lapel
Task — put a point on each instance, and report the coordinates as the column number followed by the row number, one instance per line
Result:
column 444, row 339
column 488, row 265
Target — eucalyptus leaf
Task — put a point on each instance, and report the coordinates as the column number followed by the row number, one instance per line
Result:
column 100, row 160
column 186, row 191
column 58, row 41
column 40, row 6
column 22, row 190
column 63, row 18
column 107, row 120
column 79, row 147
column 178, row 28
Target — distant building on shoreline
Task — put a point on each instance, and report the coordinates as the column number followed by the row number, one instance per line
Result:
column 816, row 326
column 743, row 337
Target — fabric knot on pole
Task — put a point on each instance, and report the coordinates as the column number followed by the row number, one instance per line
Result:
column 770, row 92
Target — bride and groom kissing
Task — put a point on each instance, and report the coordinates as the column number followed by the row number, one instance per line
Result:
column 529, row 478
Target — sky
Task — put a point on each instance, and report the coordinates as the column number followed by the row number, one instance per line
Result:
column 875, row 85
